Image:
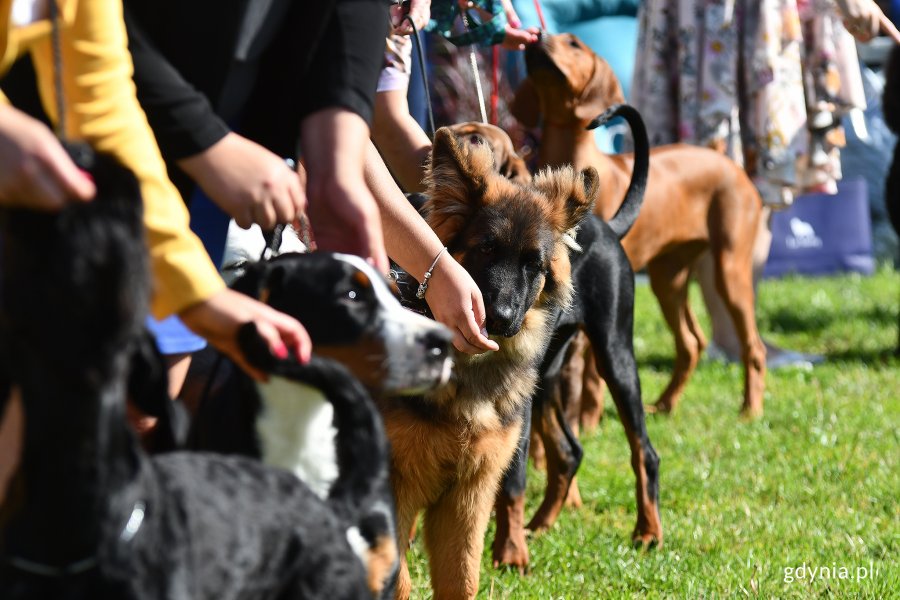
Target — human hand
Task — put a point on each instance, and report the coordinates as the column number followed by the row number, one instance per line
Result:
column 862, row 18
column 248, row 182
column 35, row 170
column 516, row 38
column 219, row 317
column 342, row 212
column 418, row 10
column 456, row 301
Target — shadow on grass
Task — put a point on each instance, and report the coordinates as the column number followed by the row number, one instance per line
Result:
column 814, row 321
column 880, row 357
column 656, row 361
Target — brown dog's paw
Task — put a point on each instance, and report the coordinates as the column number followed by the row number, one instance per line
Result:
column 573, row 498
column 511, row 552
column 647, row 540
column 751, row 413
column 659, row 407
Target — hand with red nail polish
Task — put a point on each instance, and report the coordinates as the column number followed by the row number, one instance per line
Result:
column 219, row 318
column 35, row 170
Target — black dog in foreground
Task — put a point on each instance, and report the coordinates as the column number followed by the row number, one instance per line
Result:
column 88, row 514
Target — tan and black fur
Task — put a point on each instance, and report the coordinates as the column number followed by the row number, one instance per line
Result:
column 451, row 447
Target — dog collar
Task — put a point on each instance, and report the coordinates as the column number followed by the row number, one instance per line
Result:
column 85, row 564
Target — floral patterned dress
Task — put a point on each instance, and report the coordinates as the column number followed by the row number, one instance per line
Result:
column 764, row 81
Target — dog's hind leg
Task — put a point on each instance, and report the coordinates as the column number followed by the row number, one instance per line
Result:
column 669, row 278
column 734, row 281
column 564, row 454
column 591, row 405
column 616, row 363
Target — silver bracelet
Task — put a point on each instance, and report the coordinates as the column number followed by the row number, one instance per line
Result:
column 420, row 293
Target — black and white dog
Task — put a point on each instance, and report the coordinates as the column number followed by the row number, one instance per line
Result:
column 88, row 514
column 352, row 317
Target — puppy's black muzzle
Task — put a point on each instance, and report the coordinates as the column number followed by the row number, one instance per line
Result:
column 502, row 319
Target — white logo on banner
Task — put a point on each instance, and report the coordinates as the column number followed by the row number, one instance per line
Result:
column 802, row 236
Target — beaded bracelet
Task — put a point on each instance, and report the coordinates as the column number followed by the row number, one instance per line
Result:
column 420, row 293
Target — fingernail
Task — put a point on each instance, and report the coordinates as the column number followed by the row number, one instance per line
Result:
column 87, row 175
column 517, row 24
column 484, row 331
column 303, row 357
column 280, row 351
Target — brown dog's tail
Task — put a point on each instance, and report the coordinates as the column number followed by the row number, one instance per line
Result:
column 634, row 197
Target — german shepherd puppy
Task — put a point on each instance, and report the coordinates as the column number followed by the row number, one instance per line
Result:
column 451, row 447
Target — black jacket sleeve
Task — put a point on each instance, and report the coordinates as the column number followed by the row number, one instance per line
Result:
column 181, row 117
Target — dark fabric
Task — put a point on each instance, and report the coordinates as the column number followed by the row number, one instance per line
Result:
column 339, row 56
column 179, row 113
column 229, row 59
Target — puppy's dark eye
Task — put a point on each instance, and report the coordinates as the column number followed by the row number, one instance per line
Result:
column 475, row 139
column 574, row 43
column 487, row 248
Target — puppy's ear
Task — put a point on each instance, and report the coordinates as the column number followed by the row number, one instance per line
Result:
column 601, row 92
column 457, row 178
column 526, row 106
column 570, row 194
column 584, row 196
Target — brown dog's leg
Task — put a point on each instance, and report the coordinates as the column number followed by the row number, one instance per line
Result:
column 669, row 279
column 536, row 451
column 510, row 546
column 572, row 379
column 591, row 394
column 406, row 520
column 734, row 281
column 691, row 320
column 564, row 455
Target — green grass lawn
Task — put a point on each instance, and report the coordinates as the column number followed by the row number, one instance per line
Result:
column 814, row 482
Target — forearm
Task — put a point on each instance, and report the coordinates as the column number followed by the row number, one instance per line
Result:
column 400, row 139
column 409, row 241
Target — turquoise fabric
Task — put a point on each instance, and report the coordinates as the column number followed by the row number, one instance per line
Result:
column 609, row 27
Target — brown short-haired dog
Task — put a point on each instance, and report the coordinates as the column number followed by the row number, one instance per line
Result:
column 696, row 199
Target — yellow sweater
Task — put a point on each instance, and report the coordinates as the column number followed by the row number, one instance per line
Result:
column 103, row 110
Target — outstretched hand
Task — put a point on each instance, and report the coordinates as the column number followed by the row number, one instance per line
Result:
column 456, row 301
column 219, row 318
column 248, row 182
column 862, row 18
column 516, row 37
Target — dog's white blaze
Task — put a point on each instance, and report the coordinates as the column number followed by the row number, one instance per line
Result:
column 296, row 431
column 358, row 544
column 402, row 329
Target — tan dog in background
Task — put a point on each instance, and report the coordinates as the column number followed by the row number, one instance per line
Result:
column 697, row 199
column 506, row 161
